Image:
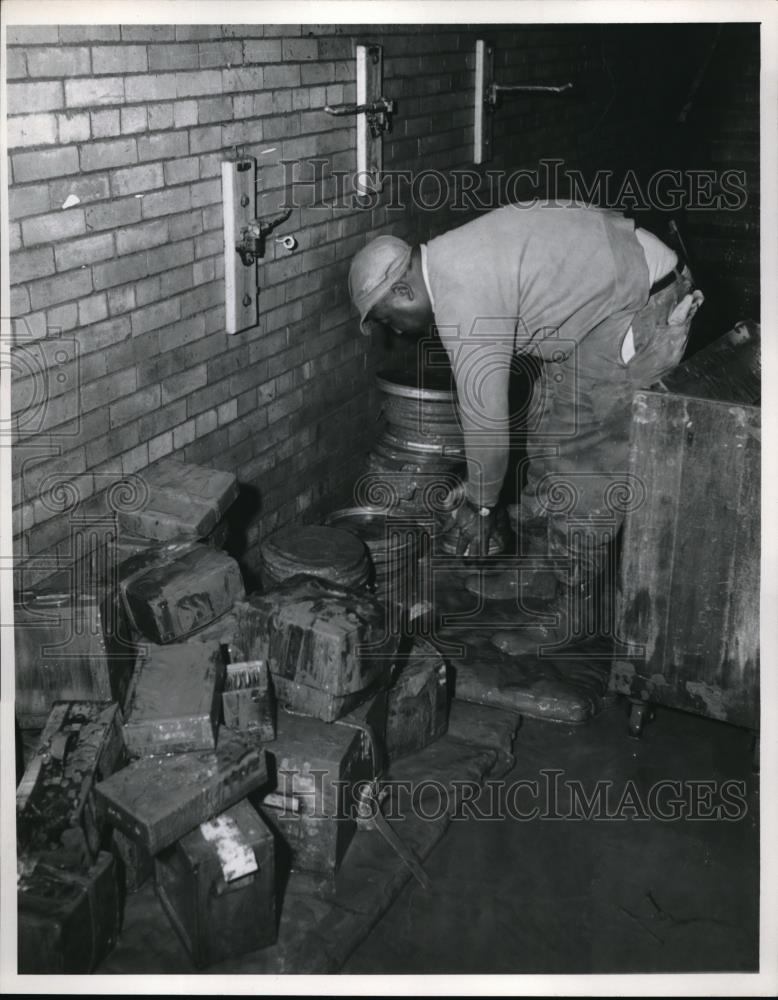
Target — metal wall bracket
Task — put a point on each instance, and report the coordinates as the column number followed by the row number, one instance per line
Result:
column 374, row 117
column 239, row 185
column 488, row 97
column 245, row 238
column 253, row 236
column 379, row 114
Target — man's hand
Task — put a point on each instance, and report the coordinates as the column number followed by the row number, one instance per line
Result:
column 471, row 526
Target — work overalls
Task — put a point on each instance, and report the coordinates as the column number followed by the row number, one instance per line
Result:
column 578, row 452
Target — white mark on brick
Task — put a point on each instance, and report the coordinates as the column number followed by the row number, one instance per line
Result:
column 71, row 200
column 266, row 151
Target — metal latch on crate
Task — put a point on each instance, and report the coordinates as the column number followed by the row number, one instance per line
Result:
column 487, row 97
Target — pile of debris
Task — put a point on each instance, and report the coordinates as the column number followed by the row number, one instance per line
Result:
column 232, row 735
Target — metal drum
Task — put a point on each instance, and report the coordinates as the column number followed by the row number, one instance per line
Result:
column 325, row 552
column 421, row 409
column 391, row 542
column 431, row 386
column 414, row 448
column 407, row 483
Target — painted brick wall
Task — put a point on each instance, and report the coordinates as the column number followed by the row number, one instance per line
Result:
column 116, row 134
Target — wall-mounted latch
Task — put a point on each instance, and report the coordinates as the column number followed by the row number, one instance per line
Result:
column 253, row 236
column 488, row 96
column 373, row 112
column 494, row 91
column 379, row 114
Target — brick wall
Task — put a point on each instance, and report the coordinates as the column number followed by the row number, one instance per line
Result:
column 116, row 134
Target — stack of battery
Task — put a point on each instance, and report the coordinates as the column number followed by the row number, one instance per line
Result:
column 183, row 798
column 187, row 772
column 134, row 772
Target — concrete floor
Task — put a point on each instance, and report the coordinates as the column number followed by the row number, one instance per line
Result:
column 582, row 896
column 607, row 896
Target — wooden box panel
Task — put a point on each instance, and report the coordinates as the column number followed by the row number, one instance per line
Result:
column 68, row 914
column 157, row 800
column 63, row 654
column 689, row 603
column 80, row 745
column 316, row 768
column 728, row 369
column 215, row 918
column 173, row 703
column 181, row 588
column 183, row 499
column 417, row 702
column 326, row 647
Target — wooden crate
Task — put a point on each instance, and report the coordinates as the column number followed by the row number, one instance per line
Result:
column 64, row 652
column 688, row 611
column 729, row 369
column 218, row 917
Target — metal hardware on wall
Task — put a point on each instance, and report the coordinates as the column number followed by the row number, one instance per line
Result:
column 374, row 117
column 239, row 185
column 484, row 72
column 378, row 113
column 253, row 238
column 487, row 98
column 245, row 241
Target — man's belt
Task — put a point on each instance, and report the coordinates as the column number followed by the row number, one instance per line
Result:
column 669, row 278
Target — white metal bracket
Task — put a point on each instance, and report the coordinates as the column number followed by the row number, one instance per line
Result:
column 488, row 96
column 374, row 117
column 239, row 186
column 245, row 241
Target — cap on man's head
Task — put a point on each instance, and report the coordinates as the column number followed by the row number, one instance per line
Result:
column 373, row 271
